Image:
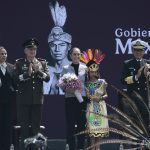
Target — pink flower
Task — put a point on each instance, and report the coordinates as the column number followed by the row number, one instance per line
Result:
column 70, row 81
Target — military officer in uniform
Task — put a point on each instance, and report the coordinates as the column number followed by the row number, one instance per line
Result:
column 134, row 78
column 30, row 72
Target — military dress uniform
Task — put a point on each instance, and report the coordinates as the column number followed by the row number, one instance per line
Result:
column 139, row 85
column 30, row 94
column 130, row 69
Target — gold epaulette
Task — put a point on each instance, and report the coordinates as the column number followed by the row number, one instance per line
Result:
column 19, row 59
column 41, row 59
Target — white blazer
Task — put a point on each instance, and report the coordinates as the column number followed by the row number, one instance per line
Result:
column 81, row 75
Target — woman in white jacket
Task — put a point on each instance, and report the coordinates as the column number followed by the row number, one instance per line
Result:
column 75, row 114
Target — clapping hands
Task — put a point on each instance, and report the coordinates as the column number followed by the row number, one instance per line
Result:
column 30, row 69
column 146, row 69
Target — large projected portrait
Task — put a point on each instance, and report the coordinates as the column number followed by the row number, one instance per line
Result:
column 59, row 45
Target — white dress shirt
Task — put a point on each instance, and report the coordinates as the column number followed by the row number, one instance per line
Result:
column 3, row 67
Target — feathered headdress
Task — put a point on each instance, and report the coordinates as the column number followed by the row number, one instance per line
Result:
column 59, row 16
column 92, row 58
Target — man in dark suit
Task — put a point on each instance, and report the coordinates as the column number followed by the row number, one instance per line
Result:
column 133, row 77
column 6, row 100
column 30, row 72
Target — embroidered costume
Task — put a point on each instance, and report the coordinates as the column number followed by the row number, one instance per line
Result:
column 96, row 92
column 94, row 108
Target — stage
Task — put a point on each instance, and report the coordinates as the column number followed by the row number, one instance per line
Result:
column 59, row 144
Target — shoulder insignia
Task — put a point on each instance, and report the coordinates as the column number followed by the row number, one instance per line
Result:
column 19, row 59
column 127, row 61
column 41, row 59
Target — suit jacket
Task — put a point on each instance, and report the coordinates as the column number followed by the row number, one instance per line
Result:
column 81, row 75
column 30, row 88
column 130, row 68
column 7, row 85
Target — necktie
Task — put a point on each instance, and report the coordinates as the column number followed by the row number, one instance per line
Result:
column 138, row 64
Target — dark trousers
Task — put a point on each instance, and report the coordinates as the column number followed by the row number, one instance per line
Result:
column 5, row 126
column 75, row 122
column 29, row 119
column 141, row 108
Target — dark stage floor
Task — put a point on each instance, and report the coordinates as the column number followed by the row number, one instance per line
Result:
column 59, row 144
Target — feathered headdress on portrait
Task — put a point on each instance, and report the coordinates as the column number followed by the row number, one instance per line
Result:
column 59, row 16
column 92, row 58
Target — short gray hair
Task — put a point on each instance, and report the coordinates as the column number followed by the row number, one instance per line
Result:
column 2, row 47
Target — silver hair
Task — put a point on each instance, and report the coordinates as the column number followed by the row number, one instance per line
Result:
column 2, row 47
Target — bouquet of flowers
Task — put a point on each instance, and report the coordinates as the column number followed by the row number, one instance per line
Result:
column 70, row 82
